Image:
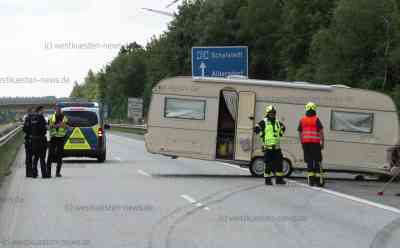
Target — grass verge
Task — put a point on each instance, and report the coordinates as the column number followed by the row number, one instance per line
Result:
column 8, row 152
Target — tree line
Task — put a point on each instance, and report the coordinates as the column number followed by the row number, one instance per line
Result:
column 351, row 42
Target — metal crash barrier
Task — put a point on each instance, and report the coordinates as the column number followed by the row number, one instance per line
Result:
column 8, row 135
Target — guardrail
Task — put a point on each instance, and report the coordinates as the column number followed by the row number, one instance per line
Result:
column 8, row 136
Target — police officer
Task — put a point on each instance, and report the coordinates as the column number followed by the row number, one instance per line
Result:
column 271, row 130
column 58, row 131
column 28, row 143
column 312, row 139
column 38, row 128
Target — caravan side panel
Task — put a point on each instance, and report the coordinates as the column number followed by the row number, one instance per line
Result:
column 182, row 125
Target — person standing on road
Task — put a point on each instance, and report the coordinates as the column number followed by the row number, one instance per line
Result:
column 271, row 130
column 28, row 143
column 311, row 136
column 38, row 127
column 58, row 131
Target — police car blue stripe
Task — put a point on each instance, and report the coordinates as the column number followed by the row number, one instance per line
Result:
column 90, row 136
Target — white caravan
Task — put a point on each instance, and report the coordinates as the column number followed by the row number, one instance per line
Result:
column 213, row 119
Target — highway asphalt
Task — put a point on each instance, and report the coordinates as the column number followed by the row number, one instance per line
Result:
column 140, row 200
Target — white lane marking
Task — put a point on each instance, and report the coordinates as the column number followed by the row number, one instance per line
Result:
column 351, row 198
column 188, row 198
column 233, row 166
column 193, row 201
column 144, row 173
column 335, row 193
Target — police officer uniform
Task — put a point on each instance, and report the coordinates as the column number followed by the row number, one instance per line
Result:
column 311, row 136
column 271, row 131
column 28, row 144
column 58, row 131
column 38, row 127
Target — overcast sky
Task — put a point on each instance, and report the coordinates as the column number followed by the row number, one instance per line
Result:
column 39, row 40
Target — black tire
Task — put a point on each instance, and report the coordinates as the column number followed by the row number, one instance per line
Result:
column 102, row 157
column 287, row 167
column 384, row 178
column 257, row 167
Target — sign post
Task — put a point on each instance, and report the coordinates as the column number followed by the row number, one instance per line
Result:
column 220, row 61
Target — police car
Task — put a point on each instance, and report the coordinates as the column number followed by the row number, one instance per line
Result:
column 85, row 135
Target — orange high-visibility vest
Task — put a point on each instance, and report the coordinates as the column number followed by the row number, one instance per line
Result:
column 309, row 130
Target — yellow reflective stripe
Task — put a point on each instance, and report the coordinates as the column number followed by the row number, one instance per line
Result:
column 53, row 118
column 280, row 174
column 69, row 146
column 268, row 175
column 310, row 174
column 96, row 130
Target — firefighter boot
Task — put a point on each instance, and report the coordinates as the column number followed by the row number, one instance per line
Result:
column 320, row 181
column 280, row 180
column 311, row 181
column 268, row 181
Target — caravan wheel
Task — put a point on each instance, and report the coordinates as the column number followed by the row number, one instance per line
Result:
column 257, row 167
column 287, row 167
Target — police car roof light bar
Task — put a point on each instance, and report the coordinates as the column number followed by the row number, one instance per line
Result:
column 77, row 104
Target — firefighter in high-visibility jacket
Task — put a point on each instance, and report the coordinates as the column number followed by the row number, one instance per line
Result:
column 312, row 139
column 271, row 130
column 58, row 130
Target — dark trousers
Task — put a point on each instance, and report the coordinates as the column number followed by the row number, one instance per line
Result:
column 313, row 158
column 56, row 153
column 273, row 163
column 28, row 158
column 39, row 154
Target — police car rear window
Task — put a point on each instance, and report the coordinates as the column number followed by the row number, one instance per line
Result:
column 81, row 118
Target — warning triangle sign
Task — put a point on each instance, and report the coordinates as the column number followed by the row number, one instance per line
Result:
column 77, row 141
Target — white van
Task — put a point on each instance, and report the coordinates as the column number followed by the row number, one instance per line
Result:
column 213, row 119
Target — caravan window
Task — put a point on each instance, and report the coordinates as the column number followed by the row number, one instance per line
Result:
column 185, row 108
column 352, row 122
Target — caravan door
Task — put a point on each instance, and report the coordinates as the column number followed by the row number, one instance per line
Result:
column 245, row 125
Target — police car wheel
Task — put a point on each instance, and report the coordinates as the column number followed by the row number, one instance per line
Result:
column 257, row 167
column 102, row 157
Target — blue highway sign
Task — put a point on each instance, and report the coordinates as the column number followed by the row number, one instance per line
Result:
column 219, row 61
